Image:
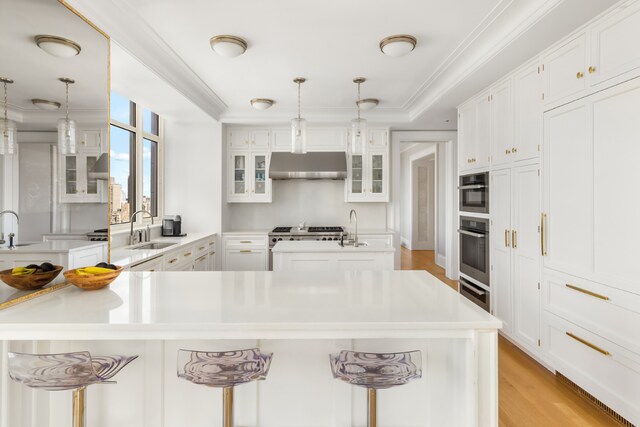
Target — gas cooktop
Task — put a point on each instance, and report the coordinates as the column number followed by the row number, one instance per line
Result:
column 323, row 229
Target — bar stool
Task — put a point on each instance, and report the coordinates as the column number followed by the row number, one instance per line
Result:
column 224, row 370
column 376, row 371
column 66, row 371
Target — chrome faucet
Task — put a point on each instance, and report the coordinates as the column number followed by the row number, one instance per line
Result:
column 133, row 239
column 351, row 215
column 11, row 235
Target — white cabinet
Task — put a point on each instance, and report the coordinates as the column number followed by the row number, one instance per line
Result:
column 92, row 139
column 515, row 252
column 75, row 184
column 180, row 259
column 368, row 177
column 243, row 252
column 378, row 138
column 475, row 132
column 201, row 263
column 248, row 177
column 326, row 139
column 527, row 114
column 83, row 257
column 466, row 135
column 153, row 264
column 248, row 139
column 332, row 261
column 565, row 70
column 502, row 141
column 281, row 139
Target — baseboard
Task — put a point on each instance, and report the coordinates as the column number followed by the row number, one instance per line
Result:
column 405, row 242
column 441, row 260
column 536, row 357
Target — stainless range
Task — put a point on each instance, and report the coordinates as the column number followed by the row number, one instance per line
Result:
column 306, row 233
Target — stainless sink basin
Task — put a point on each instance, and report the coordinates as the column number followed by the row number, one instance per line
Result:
column 155, row 245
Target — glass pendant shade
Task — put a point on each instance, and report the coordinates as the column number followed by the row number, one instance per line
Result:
column 66, row 136
column 9, row 136
column 298, row 136
column 358, row 136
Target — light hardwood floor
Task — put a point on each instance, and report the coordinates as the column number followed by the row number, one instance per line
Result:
column 529, row 394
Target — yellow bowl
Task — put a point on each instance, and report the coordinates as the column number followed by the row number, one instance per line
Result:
column 91, row 282
column 29, row 282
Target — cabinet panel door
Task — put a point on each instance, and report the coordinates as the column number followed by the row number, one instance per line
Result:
column 260, row 139
column 378, row 175
column 483, row 132
column 239, row 139
column 527, row 89
column 561, row 70
column 356, row 177
column 502, row 142
column 467, row 135
column 614, row 47
column 200, row 264
column 326, row 139
column 239, row 175
column 91, row 139
column 281, row 139
column 245, row 260
column 501, row 247
column 568, row 188
column 526, row 254
column 616, row 199
column 378, row 138
column 261, row 184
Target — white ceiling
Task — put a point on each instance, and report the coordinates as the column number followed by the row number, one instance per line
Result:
column 35, row 73
column 462, row 45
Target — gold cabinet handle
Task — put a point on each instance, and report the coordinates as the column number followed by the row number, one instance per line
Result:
column 506, row 238
column 245, row 251
column 588, row 344
column 187, row 254
column 173, row 260
column 201, row 248
column 514, row 150
column 579, row 75
column 543, row 237
column 584, row 291
column 592, row 69
column 245, row 241
column 507, row 151
column 211, row 243
column 514, row 239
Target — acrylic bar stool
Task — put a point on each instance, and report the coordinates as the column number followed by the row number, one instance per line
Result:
column 224, row 370
column 376, row 371
column 66, row 371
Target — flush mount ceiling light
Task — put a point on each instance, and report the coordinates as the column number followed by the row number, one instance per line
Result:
column 43, row 104
column 58, row 46
column 299, row 126
column 261, row 103
column 358, row 125
column 368, row 103
column 398, row 45
column 8, row 128
column 66, row 127
column 228, row 46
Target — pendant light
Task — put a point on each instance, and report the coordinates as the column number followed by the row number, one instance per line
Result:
column 358, row 125
column 8, row 128
column 299, row 126
column 66, row 127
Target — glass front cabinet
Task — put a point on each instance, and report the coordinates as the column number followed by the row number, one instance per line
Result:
column 248, row 177
column 75, row 185
column 368, row 177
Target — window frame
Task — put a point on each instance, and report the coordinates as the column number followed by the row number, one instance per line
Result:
column 136, row 169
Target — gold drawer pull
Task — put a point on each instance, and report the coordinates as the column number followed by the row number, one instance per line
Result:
column 584, row 291
column 187, row 254
column 588, row 344
column 173, row 260
column 506, row 238
column 579, row 75
column 211, row 243
column 507, row 151
column 514, row 239
column 543, row 237
column 245, row 251
column 592, row 69
column 245, row 241
column 201, row 248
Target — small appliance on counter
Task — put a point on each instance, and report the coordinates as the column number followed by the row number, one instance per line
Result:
column 172, row 226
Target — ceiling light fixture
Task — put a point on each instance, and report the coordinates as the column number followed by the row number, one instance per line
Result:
column 228, row 46
column 261, row 103
column 368, row 103
column 43, row 104
column 398, row 45
column 299, row 126
column 8, row 128
column 58, row 46
column 358, row 125
column 66, row 127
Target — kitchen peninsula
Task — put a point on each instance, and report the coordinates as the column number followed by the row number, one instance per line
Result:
column 300, row 317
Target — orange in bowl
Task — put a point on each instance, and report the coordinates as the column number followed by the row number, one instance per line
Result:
column 91, row 282
column 29, row 282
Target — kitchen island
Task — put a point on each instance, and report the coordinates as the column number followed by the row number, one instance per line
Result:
column 311, row 255
column 301, row 317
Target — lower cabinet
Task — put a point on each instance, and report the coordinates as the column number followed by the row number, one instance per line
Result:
column 87, row 256
column 154, row 264
column 332, row 261
column 196, row 256
column 243, row 252
column 201, row 263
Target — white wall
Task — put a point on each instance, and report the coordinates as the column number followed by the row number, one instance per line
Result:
column 441, row 205
column 193, row 170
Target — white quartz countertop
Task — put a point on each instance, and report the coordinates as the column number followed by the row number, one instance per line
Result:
column 256, row 305
column 54, row 246
column 301, row 246
column 126, row 255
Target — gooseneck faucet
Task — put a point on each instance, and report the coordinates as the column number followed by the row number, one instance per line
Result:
column 11, row 235
column 132, row 239
column 351, row 215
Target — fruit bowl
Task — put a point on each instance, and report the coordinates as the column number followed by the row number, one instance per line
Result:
column 91, row 282
column 29, row 282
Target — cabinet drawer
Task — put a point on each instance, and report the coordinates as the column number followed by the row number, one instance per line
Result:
column 246, row 241
column 184, row 255
column 607, row 371
column 201, row 248
column 608, row 312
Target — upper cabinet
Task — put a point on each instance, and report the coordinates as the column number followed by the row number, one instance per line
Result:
column 474, row 122
column 527, row 112
column 368, row 173
column 248, row 139
column 248, row 177
column 318, row 139
column 502, row 142
column 75, row 184
column 564, row 69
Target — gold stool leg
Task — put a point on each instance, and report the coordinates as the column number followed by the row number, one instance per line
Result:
column 227, row 406
column 79, row 403
column 372, row 408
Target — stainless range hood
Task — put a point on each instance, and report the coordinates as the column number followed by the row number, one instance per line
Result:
column 100, row 169
column 331, row 165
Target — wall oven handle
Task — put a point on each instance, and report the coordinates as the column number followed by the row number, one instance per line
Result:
column 471, row 233
column 472, row 289
column 472, row 187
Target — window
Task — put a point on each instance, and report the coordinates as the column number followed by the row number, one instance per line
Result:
column 135, row 147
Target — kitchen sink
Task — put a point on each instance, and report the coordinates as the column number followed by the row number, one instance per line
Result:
column 155, row 245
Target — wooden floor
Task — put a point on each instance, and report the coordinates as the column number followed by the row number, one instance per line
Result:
column 529, row 394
